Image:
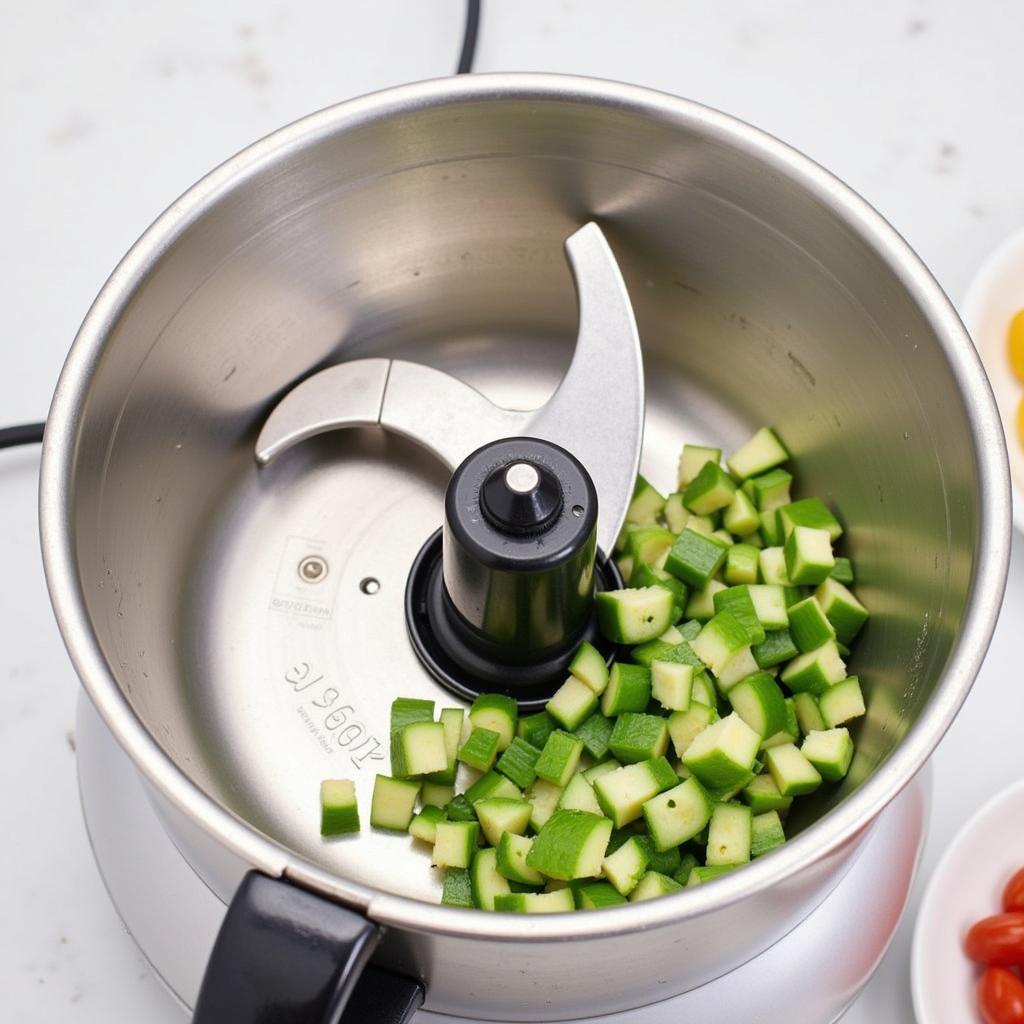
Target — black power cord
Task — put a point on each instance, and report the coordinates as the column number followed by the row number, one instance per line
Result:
column 32, row 433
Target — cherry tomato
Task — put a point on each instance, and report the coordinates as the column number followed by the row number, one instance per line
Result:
column 1013, row 894
column 997, row 941
column 1001, row 997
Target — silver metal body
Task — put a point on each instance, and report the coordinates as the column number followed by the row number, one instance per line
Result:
column 426, row 223
column 799, row 980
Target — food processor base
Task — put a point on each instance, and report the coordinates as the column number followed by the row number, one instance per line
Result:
column 174, row 917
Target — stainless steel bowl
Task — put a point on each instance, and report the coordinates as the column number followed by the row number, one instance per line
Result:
column 428, row 221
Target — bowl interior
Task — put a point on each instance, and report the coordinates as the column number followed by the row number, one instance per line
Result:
column 436, row 234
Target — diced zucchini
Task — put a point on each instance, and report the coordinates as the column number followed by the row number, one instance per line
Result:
column 737, row 668
column 704, row 525
column 543, row 797
column 719, row 640
column 739, row 603
column 646, row 505
column 485, row 881
column 809, row 557
column 672, row 636
column 496, row 712
column 572, row 704
column 808, row 625
column 708, row 873
column 634, row 616
column 451, row 720
column 686, row 864
column 393, row 803
column 623, row 792
column 763, row 795
column 769, row 490
column 729, row 835
column 559, row 758
column 500, row 814
column 760, row 703
column 789, row 733
column 740, row 517
column 653, row 885
column 570, row 845
column 644, row 575
column 793, row 774
column 578, row 795
column 593, row 774
column 455, row 843
column 762, row 452
column 808, row 714
column 676, row 513
column 811, row 513
column 436, row 794
column 846, row 614
column 695, row 558
column 458, row 889
column 842, row 702
column 769, row 530
column 685, row 726
column 424, row 825
column 480, row 749
column 665, row 862
column 766, row 833
column 629, row 689
column 649, row 545
column 406, row 710
column 588, row 666
column 843, row 571
column 459, row 809
column 638, row 737
column 557, row 902
column 772, row 564
column 339, row 812
column 776, row 648
column 536, row 729
column 671, row 684
column 597, row 895
column 710, row 490
column 678, row 814
column 723, row 755
column 693, row 459
column 741, row 565
column 814, row 671
column 595, row 733
column 830, row 752
column 511, row 860
column 770, row 606
column 518, row 761
column 701, row 605
column 491, row 785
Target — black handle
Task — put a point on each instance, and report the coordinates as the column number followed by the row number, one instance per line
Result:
column 287, row 956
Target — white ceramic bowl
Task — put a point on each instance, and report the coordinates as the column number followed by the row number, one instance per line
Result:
column 966, row 886
column 995, row 294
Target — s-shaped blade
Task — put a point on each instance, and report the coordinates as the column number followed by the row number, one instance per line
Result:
column 597, row 412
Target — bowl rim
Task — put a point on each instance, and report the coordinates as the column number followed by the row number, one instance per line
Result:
column 844, row 824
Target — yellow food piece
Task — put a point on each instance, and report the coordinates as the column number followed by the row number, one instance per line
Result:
column 1016, row 345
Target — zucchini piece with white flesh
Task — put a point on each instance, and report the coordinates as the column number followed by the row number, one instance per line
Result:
column 511, row 861
column 644, row 575
column 808, row 714
column 695, row 558
column 723, row 637
column 597, row 895
column 809, row 557
column 842, row 702
column 769, row 490
column 815, row 671
column 830, row 752
column 766, row 833
column 571, row 845
column 634, row 616
column 455, row 843
column 760, row 703
column 543, row 797
column 792, row 773
column 536, row 729
column 419, row 749
column 518, row 761
column 677, row 515
column 762, row 452
column 741, row 565
column 789, row 733
column 589, row 667
column 723, row 755
column 559, row 758
column 572, row 704
column 485, row 881
column 458, row 889
column 638, row 737
column 692, row 460
column 740, row 516
column 708, row 873
column 649, row 545
column 769, row 605
column 769, row 530
column 578, row 795
column 491, row 785
column 685, row 726
column 671, row 684
column 777, row 647
column 629, row 689
column 393, row 803
column 701, row 605
column 498, row 713
column 594, row 773
column 557, row 902
column 808, row 625
column 729, row 835
column 812, row 513
column 480, row 749
column 626, row 866
column 339, row 811
column 739, row 603
column 710, row 490
column 501, row 814
column 704, row 691
column 623, row 792
column 451, row 720
column 424, row 825
column 646, row 504
column 678, row 814
column 845, row 613
column 653, row 885
column 763, row 795
column 771, row 561
column 406, row 711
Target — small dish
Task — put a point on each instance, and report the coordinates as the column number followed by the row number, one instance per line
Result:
column 966, row 886
column 992, row 298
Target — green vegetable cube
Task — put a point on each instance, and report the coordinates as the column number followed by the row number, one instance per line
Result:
column 418, row 749
column 623, row 792
column 686, row 864
column 776, row 648
column 766, row 833
column 558, row 902
column 723, row 755
column 678, row 814
column 695, row 558
column 842, row 702
column 769, row 530
column 451, row 723
column 672, row 684
column 646, row 504
column 455, row 843
column 763, row 795
column 710, row 490
column 406, row 710
column 653, row 885
column 339, row 812
column 741, row 564
column 793, row 774
column 570, row 845
column 808, row 625
column 501, row 814
column 693, row 459
column 594, row 773
column 665, row 862
column 760, row 703
column 739, row 603
column 772, row 564
column 720, row 641
column 486, row 881
column 597, row 895
column 644, row 575
column 588, row 666
column 769, row 490
column 740, row 516
column 393, row 803
column 633, row 616
column 830, row 752
column 459, row 809
column 518, row 761
column 809, row 557
column 701, row 605
column 559, row 758
column 811, row 513
column 536, row 729
column 770, row 606
column 424, row 825
column 480, row 750
column 814, row 671
column 677, row 515
column 843, row 571
column 626, row 866
column 573, row 703
column 629, row 689
column 700, row 875
column 704, row 691
column 685, row 726
column 543, row 797
column 458, row 889
column 729, row 835
column 808, row 714
column 578, row 795
column 490, row 785
column 762, row 452
column 498, row 713
column 595, row 733
column 513, row 850
column 648, row 545
column 638, row 737
column 845, row 613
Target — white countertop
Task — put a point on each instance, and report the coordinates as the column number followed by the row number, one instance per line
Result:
column 111, row 109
